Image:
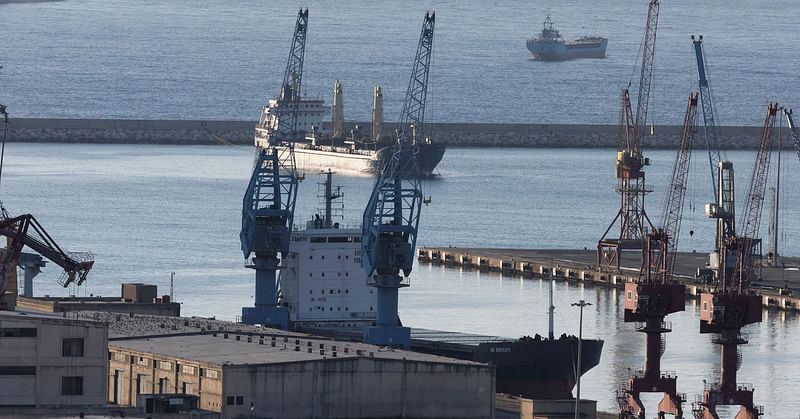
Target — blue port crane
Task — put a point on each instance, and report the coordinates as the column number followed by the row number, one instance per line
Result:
column 711, row 134
column 268, row 205
column 391, row 218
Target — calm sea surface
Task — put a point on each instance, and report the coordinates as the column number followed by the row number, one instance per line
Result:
column 148, row 210
column 201, row 59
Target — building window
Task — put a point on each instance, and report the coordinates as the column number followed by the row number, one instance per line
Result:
column 72, row 347
column 164, row 365
column 18, row 332
column 120, row 357
column 239, row 400
column 142, row 361
column 230, row 400
column 187, row 369
column 71, row 386
column 17, row 370
column 212, row 374
column 630, row 295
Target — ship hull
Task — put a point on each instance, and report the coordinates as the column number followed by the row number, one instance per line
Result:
column 361, row 161
column 531, row 368
column 567, row 51
column 543, row 369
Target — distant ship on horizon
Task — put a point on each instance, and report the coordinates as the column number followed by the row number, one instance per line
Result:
column 550, row 46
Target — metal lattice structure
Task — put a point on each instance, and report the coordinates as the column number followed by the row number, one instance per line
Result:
column 646, row 75
column 731, row 306
column 391, row 218
column 750, row 222
column 632, row 218
column 649, row 300
column 269, row 202
column 24, row 231
column 711, row 134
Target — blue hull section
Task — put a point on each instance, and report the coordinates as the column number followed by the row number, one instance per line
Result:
column 566, row 51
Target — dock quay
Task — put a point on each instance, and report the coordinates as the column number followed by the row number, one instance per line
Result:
column 779, row 287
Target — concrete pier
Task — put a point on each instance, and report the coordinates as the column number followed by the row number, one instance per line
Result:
column 779, row 288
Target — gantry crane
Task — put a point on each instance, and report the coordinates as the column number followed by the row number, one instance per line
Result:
column 23, row 231
column 655, row 295
column 633, row 220
column 268, row 205
column 391, row 218
column 731, row 306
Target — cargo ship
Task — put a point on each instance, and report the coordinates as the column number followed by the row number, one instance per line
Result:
column 326, row 292
column 550, row 46
column 356, row 152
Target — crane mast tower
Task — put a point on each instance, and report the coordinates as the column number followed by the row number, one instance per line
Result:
column 391, row 218
column 655, row 295
column 268, row 204
column 731, row 305
column 630, row 163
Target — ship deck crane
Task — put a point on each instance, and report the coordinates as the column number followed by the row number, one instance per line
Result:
column 391, row 218
column 269, row 202
column 731, row 306
column 655, row 295
column 630, row 163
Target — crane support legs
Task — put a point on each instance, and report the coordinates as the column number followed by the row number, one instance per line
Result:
column 267, row 311
column 726, row 314
column 387, row 331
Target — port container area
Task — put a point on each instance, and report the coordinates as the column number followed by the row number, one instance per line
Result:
column 239, row 370
column 778, row 290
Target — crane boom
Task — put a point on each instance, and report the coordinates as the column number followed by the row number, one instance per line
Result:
column 673, row 210
column 646, row 74
column 23, row 231
column 269, row 202
column 391, row 218
column 711, row 134
column 753, row 204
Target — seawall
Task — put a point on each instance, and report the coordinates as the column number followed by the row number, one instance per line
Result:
column 124, row 131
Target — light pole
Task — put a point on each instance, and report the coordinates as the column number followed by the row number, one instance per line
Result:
column 580, row 304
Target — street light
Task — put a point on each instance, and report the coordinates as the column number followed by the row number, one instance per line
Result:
column 580, row 304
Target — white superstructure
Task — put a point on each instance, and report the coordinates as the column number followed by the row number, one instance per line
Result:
column 323, row 284
column 310, row 113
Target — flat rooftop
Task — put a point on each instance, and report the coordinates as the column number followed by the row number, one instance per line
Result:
column 235, row 349
column 126, row 325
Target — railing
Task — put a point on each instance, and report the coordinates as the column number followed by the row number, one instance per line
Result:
column 669, row 375
column 740, row 339
column 404, row 282
column 664, row 327
column 745, row 387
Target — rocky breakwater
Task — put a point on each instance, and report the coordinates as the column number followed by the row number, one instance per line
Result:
column 575, row 136
column 129, row 131
column 124, row 131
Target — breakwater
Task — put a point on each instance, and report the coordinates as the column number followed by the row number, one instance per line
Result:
column 198, row 132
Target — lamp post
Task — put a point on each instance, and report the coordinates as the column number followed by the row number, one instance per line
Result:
column 580, row 304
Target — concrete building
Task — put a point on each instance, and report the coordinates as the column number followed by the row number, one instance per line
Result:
column 271, row 373
column 134, row 298
column 47, row 360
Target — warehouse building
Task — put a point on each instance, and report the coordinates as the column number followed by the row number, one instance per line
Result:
column 261, row 373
